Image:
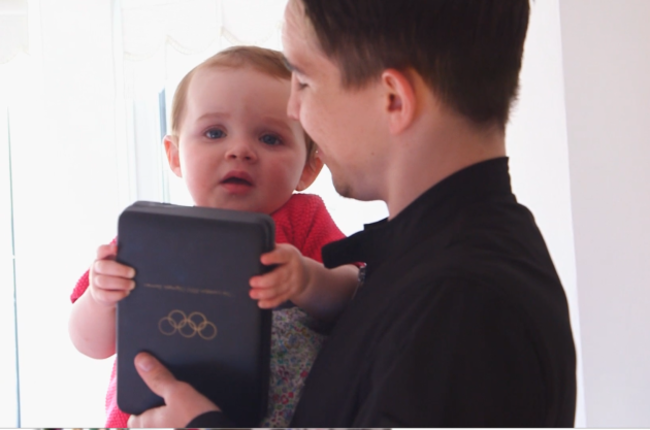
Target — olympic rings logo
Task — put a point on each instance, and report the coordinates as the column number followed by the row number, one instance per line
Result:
column 187, row 325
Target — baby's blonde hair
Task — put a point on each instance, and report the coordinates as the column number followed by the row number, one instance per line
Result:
column 267, row 61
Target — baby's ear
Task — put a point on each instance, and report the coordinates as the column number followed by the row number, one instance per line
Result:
column 171, row 149
column 310, row 172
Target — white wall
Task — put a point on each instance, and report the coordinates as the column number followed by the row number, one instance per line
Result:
column 606, row 53
column 539, row 156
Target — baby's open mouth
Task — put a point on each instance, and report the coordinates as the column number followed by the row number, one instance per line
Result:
column 238, row 181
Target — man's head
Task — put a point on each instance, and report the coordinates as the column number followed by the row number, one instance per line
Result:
column 231, row 139
column 363, row 70
column 468, row 51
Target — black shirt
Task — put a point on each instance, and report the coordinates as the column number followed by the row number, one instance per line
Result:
column 461, row 321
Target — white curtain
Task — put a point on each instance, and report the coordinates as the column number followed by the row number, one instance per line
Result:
column 14, row 43
column 191, row 26
column 14, row 36
column 162, row 39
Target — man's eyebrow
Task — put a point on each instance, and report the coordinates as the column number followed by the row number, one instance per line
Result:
column 290, row 66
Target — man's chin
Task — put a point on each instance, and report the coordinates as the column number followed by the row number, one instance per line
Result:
column 342, row 188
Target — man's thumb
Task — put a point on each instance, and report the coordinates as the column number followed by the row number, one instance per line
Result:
column 154, row 374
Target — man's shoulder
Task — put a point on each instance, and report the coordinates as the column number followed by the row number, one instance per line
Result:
column 501, row 268
column 495, row 288
column 482, row 263
column 495, row 244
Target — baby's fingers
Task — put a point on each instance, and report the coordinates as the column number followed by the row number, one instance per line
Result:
column 114, row 283
column 278, row 279
column 272, row 303
column 269, row 289
column 109, row 297
column 280, row 255
column 107, row 251
column 268, row 298
column 268, row 280
column 110, row 281
column 113, row 268
column 108, row 290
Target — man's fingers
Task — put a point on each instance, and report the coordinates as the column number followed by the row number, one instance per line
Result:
column 155, row 375
column 154, row 417
column 113, row 268
column 182, row 402
column 134, row 422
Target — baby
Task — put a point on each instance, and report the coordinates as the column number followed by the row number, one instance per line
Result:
column 235, row 148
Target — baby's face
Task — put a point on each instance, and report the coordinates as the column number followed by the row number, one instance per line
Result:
column 237, row 147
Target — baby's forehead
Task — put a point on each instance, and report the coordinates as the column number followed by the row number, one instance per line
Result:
column 238, row 82
column 240, row 85
column 245, row 72
column 240, row 93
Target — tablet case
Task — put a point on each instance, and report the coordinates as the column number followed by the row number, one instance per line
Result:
column 191, row 307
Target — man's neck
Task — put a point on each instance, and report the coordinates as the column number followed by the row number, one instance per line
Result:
column 434, row 149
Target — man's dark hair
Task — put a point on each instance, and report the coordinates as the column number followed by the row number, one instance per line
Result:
column 468, row 51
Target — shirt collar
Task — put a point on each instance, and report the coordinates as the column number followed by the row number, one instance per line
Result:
column 427, row 214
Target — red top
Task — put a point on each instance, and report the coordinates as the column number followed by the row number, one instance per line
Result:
column 302, row 222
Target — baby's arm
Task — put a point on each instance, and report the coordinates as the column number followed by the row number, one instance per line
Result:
column 92, row 321
column 321, row 292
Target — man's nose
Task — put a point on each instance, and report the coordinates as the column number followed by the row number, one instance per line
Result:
column 293, row 108
column 241, row 149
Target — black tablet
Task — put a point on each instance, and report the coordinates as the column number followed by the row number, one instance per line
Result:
column 190, row 307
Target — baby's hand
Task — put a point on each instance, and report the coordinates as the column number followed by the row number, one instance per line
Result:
column 110, row 281
column 288, row 280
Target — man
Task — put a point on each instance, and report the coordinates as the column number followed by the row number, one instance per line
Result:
column 461, row 320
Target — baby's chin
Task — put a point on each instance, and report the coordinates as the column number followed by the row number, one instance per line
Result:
column 240, row 205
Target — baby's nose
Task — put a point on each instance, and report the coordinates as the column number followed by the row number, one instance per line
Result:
column 241, row 150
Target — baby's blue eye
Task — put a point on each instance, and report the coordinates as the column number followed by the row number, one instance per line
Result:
column 270, row 139
column 215, row 134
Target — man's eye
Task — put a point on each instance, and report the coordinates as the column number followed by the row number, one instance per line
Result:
column 215, row 134
column 270, row 139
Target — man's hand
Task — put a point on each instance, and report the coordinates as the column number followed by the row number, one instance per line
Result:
column 182, row 402
column 288, row 280
column 110, row 281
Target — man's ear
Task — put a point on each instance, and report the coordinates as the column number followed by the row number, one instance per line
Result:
column 401, row 103
column 310, row 172
column 171, row 149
